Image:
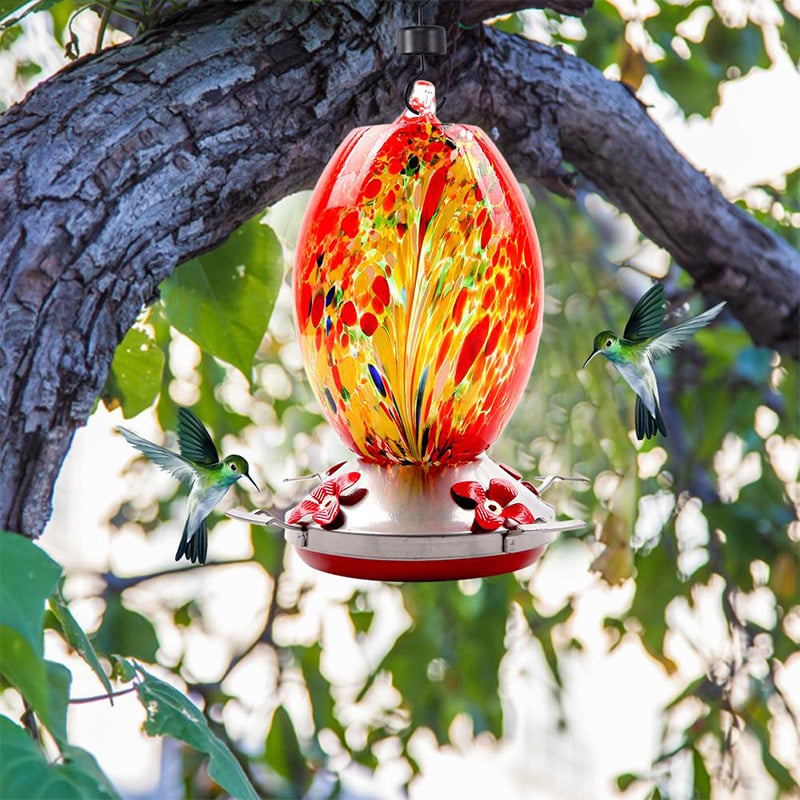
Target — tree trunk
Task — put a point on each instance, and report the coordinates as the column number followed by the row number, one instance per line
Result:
column 127, row 163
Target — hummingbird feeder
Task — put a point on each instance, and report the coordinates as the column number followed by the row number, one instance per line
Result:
column 418, row 294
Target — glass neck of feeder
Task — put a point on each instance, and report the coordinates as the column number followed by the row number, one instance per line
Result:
column 422, row 100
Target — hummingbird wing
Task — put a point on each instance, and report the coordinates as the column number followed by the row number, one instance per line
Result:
column 170, row 462
column 647, row 315
column 194, row 441
column 675, row 336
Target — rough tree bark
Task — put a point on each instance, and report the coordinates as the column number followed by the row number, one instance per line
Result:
column 129, row 162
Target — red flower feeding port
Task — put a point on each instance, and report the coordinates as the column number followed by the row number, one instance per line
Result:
column 418, row 293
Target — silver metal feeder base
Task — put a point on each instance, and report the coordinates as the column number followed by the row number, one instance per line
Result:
column 414, row 522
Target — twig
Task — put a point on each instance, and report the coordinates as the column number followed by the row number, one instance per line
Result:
column 264, row 637
column 28, row 721
column 95, row 698
column 116, row 584
column 101, row 30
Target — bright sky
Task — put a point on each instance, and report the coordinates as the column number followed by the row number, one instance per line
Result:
column 613, row 701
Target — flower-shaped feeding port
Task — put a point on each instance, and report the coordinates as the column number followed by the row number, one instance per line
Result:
column 494, row 507
column 324, row 505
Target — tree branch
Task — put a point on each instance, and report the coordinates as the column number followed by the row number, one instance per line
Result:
column 127, row 163
column 551, row 107
column 97, row 697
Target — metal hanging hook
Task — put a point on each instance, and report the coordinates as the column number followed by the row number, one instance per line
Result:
column 410, row 85
column 420, row 40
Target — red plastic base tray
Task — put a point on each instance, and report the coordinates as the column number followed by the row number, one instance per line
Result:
column 450, row 569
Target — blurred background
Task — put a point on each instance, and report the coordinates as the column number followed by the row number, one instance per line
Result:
column 653, row 654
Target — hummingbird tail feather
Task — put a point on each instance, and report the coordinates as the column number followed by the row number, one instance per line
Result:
column 643, row 421
column 659, row 421
column 647, row 425
column 195, row 546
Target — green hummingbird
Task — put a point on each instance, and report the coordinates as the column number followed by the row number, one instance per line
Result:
column 198, row 466
column 641, row 343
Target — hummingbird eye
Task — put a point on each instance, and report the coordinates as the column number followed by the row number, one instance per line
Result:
column 608, row 342
column 232, row 466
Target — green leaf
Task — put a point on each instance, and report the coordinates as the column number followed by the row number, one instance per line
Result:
column 605, row 30
column 27, row 69
column 542, row 629
column 171, row 713
column 362, row 620
column 126, row 631
column 758, row 725
column 361, row 614
column 283, row 753
column 9, row 8
column 269, row 547
column 186, row 614
column 76, row 636
column 441, row 673
column 122, row 669
column 27, row 773
column 223, row 300
column 27, row 577
column 790, row 34
column 691, row 83
column 23, row 668
column 59, row 679
column 511, row 23
column 735, row 47
column 626, row 780
column 701, row 780
column 61, row 14
column 323, row 706
column 9, row 36
column 694, row 81
column 135, row 377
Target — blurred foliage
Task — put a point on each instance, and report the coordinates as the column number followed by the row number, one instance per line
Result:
column 780, row 210
column 170, row 712
column 710, row 511
column 135, row 16
column 28, row 769
column 689, row 48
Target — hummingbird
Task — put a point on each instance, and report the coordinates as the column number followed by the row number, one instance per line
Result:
column 199, row 466
column 641, row 343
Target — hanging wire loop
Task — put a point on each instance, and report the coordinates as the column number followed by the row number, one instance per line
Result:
column 410, row 85
column 420, row 40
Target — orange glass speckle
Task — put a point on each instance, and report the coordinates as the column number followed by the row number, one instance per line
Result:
column 418, row 290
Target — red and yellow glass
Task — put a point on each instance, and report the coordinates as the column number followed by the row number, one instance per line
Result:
column 418, row 290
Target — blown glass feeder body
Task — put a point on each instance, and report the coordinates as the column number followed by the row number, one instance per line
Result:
column 418, row 290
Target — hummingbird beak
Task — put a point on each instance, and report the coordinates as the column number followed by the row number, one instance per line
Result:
column 247, row 475
column 594, row 353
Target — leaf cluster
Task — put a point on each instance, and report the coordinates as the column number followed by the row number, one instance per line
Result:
column 29, row 579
